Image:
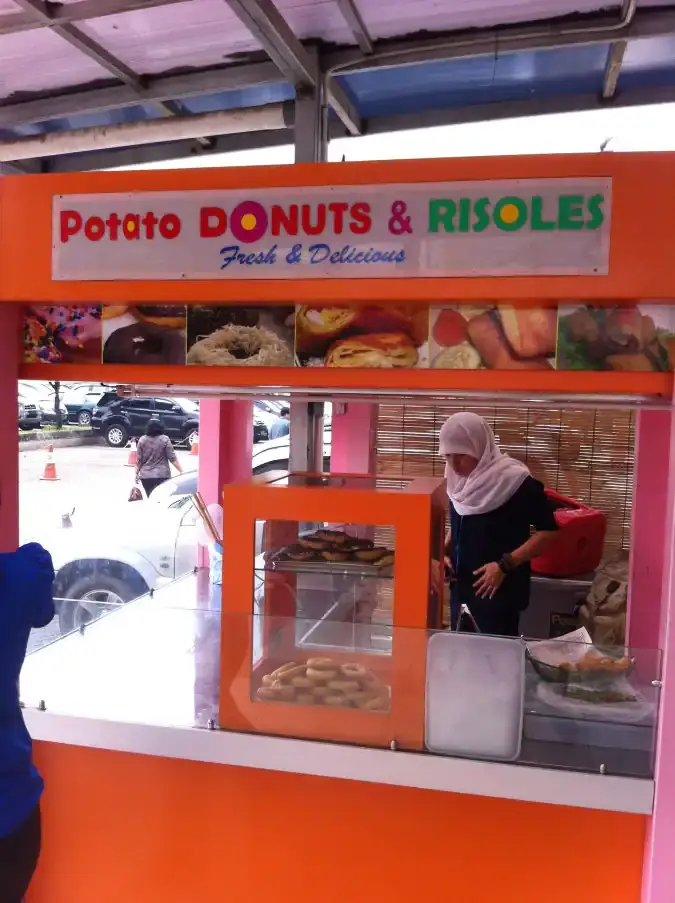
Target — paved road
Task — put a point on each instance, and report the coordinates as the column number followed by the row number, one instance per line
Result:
column 92, row 478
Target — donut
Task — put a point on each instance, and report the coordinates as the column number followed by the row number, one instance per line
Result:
column 376, row 704
column 312, row 542
column 344, row 686
column 321, row 664
column 356, row 697
column 170, row 316
column 335, row 555
column 302, row 683
column 290, row 673
column 334, row 700
column 144, row 343
column 371, row 554
column 353, row 671
column 305, row 699
column 385, row 560
column 357, row 545
column 282, row 691
column 320, row 676
column 283, row 668
column 268, row 680
column 298, row 553
column 334, row 536
column 321, row 691
column 241, row 346
column 61, row 334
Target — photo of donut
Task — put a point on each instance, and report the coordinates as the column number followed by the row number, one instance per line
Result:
column 493, row 337
column 368, row 336
column 62, row 334
column 240, row 336
column 630, row 338
column 144, row 334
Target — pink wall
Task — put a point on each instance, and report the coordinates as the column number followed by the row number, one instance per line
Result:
column 10, row 342
column 650, row 509
column 658, row 875
column 225, row 448
column 353, row 438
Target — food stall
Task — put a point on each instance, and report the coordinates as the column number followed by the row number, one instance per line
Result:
column 240, row 713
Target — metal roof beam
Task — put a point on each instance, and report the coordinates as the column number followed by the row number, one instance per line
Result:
column 352, row 16
column 76, row 12
column 166, row 88
column 610, row 80
column 296, row 64
column 584, row 31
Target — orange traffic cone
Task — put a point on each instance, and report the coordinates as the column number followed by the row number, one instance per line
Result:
column 195, row 445
column 131, row 460
column 50, row 466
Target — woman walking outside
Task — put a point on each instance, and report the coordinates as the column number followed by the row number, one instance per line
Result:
column 153, row 456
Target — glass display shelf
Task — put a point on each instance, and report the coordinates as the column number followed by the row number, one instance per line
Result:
column 157, row 660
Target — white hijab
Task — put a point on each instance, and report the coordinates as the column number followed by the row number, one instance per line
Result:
column 216, row 512
column 495, row 479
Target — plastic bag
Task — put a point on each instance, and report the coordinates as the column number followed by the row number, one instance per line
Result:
column 136, row 494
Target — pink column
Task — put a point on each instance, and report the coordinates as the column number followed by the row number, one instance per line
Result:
column 225, row 448
column 353, row 438
column 658, row 875
column 10, row 344
column 650, row 508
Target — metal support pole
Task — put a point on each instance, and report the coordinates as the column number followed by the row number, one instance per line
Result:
column 311, row 146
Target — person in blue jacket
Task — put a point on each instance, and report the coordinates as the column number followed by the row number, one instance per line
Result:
column 26, row 602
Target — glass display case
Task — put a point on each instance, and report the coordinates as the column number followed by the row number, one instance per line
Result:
column 335, row 571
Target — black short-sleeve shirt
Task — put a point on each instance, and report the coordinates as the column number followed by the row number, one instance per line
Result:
column 478, row 539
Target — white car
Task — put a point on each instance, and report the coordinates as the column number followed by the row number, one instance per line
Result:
column 137, row 546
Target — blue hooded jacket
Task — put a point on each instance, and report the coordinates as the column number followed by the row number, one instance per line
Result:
column 26, row 601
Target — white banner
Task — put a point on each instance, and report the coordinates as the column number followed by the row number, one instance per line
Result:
column 525, row 227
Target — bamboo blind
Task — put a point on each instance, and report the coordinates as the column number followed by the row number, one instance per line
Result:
column 586, row 455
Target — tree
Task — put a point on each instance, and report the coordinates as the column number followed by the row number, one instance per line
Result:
column 56, row 386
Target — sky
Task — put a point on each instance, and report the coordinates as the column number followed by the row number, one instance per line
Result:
column 648, row 128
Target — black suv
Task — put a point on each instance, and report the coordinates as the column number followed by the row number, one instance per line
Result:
column 127, row 418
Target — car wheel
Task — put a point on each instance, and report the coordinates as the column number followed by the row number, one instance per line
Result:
column 116, row 436
column 191, row 438
column 84, row 418
column 89, row 598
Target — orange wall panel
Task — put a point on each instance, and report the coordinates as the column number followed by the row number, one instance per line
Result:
column 120, row 827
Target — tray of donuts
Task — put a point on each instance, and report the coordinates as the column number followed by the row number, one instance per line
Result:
column 324, row 682
column 333, row 547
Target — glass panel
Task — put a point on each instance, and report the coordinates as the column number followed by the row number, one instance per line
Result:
column 157, row 660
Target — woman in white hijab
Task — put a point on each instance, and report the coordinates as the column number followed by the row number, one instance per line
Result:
column 215, row 549
column 500, row 519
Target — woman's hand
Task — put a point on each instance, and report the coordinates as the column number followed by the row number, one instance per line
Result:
column 490, row 578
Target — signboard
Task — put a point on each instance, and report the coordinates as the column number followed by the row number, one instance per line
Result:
column 636, row 338
column 520, row 227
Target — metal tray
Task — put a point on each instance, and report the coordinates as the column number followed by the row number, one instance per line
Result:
column 277, row 562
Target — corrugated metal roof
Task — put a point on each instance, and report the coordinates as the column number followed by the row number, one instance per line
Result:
column 85, row 63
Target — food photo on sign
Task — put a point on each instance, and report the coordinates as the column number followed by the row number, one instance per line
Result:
column 61, row 334
column 240, row 336
column 143, row 334
column 492, row 337
column 636, row 338
column 369, row 337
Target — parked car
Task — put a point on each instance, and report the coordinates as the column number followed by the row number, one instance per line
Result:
column 81, row 402
column 136, row 547
column 48, row 411
column 29, row 416
column 127, row 418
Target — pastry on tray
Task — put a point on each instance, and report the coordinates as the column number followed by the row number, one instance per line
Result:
column 380, row 350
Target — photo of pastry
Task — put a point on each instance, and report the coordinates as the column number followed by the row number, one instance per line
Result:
column 493, row 337
column 380, row 337
column 630, row 338
column 60, row 334
column 144, row 334
column 240, row 336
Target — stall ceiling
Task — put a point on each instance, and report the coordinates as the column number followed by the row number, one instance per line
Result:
column 391, row 65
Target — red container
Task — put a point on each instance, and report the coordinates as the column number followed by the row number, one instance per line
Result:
column 579, row 544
